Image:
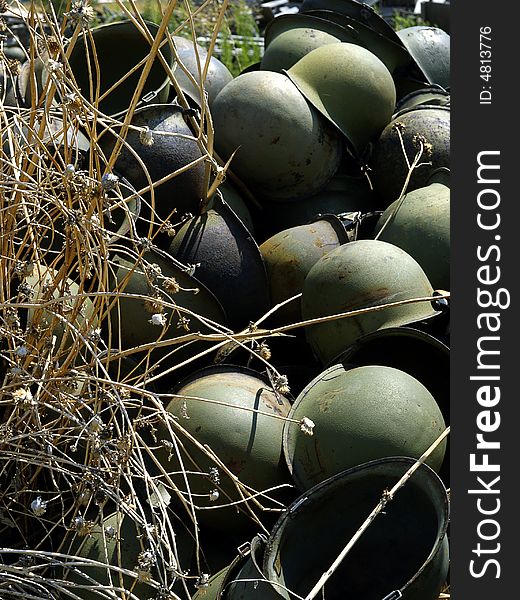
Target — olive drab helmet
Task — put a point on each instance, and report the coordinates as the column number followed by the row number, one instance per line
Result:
column 430, row 49
column 420, row 225
column 290, row 254
column 432, row 96
column 290, row 37
column 357, row 275
column 351, row 87
column 360, row 414
column 283, row 147
column 429, row 124
column 218, row 75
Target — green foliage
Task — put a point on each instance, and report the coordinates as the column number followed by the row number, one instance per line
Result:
column 402, row 20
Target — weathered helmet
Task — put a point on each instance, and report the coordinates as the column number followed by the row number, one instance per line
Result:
column 290, row 254
column 235, row 200
column 114, row 546
column 420, row 225
column 136, row 319
column 119, row 48
column 360, row 414
column 217, row 77
column 359, row 11
column 430, row 48
column 236, row 413
column 290, row 37
column 431, row 124
column 390, row 51
column 228, row 261
column 284, row 148
column 357, row 275
column 351, row 87
column 168, row 150
column 433, row 96
column 405, row 551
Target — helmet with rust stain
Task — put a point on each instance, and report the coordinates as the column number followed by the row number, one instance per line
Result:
column 283, row 147
column 237, row 414
column 290, row 37
column 290, row 254
column 351, row 87
column 430, row 49
column 360, row 414
column 420, row 225
column 357, row 275
column 409, row 127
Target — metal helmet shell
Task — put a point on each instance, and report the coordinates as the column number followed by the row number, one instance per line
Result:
column 289, row 256
column 351, row 87
column 217, row 77
column 357, row 275
column 229, row 262
column 234, row 199
column 131, row 316
column 115, row 545
column 391, row 52
column 406, row 550
column 359, row 11
column 432, row 96
column 360, row 414
column 421, row 227
column 430, row 48
column 389, row 165
column 120, row 47
column 290, row 37
column 284, row 148
column 237, row 414
column 170, row 150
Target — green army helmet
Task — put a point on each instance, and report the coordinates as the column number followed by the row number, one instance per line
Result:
column 218, row 75
column 359, row 11
column 433, row 95
column 393, row 54
column 237, row 414
column 114, row 547
column 430, row 49
column 119, row 48
column 420, row 225
column 171, row 146
column 429, row 124
column 228, row 261
column 290, row 37
column 358, row 275
column 404, row 554
column 284, row 149
column 360, row 414
column 290, row 254
column 351, row 87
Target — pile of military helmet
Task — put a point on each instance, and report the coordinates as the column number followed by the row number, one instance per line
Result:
column 278, row 442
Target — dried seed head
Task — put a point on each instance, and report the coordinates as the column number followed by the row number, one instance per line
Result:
column 158, row 319
column 307, row 426
column 146, row 137
column 109, row 182
column 214, row 495
column 38, row 506
column 264, row 351
column 170, row 285
column 281, row 384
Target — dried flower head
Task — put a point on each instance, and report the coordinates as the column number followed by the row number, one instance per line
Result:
column 81, row 13
column 214, row 495
column 264, row 351
column 307, row 426
column 214, row 475
column 146, row 137
column 281, row 384
column 109, row 182
column 170, row 285
column 158, row 319
column 39, row 506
